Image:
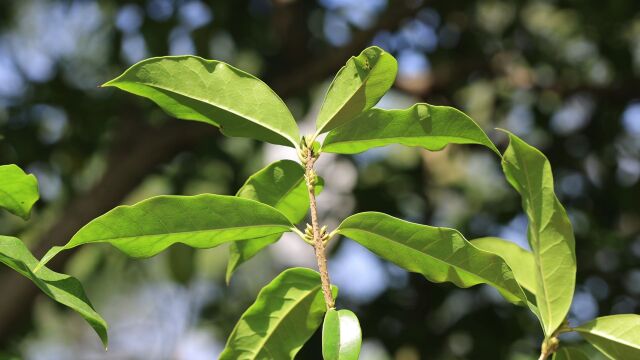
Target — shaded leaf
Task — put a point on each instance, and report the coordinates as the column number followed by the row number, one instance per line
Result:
column 341, row 335
column 281, row 185
column 569, row 353
column 210, row 91
column 423, row 125
column 201, row 221
column 550, row 233
column 62, row 288
column 616, row 336
column 18, row 191
column 357, row 87
column 243, row 250
column 519, row 260
column 439, row 254
column 284, row 316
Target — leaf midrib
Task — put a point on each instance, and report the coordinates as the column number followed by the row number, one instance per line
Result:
column 197, row 98
column 607, row 336
column 393, row 138
column 437, row 259
column 280, row 320
column 537, row 239
column 185, row 232
column 362, row 84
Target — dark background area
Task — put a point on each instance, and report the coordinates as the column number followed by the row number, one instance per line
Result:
column 564, row 75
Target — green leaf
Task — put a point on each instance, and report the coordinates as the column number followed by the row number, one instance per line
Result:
column 281, row 185
column 201, row 221
column 569, row 353
column 550, row 233
column 341, row 335
column 616, row 336
column 357, row 87
column 423, row 125
column 519, row 260
column 439, row 254
column 18, row 191
column 284, row 316
column 192, row 88
column 62, row 288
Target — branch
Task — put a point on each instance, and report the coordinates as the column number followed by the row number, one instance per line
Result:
column 124, row 172
column 331, row 59
column 318, row 241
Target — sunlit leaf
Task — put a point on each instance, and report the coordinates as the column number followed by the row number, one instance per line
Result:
column 192, row 88
column 281, row 185
column 439, row 254
column 616, row 336
column 62, row 288
column 422, row 125
column 341, row 335
column 284, row 316
column 18, row 191
column 550, row 233
column 519, row 260
column 357, row 87
column 201, row 221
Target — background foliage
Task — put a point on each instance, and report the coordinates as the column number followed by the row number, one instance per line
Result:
column 563, row 75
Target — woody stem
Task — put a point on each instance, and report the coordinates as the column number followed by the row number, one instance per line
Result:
column 318, row 244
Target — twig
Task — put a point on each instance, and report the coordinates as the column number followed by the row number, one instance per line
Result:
column 318, row 243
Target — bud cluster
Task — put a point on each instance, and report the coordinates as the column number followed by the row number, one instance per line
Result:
column 308, row 234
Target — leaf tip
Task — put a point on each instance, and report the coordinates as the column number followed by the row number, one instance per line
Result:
column 107, row 84
column 227, row 277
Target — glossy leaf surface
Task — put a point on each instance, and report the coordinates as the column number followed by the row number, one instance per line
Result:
column 281, row 185
column 422, row 125
column 439, row 254
column 18, row 191
column 616, row 336
column 341, row 335
column 192, row 88
column 519, row 260
column 550, row 233
column 201, row 221
column 62, row 288
column 284, row 316
column 357, row 87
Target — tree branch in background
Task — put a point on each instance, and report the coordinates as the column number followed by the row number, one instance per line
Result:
column 134, row 158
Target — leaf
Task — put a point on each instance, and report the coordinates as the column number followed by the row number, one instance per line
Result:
column 62, row 288
column 210, row 91
column 519, row 260
column 616, row 336
column 550, row 233
column 284, row 316
column 281, row 185
column 357, row 87
column 341, row 335
column 569, row 353
column 201, row 221
column 439, row 254
column 18, row 191
column 422, row 125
